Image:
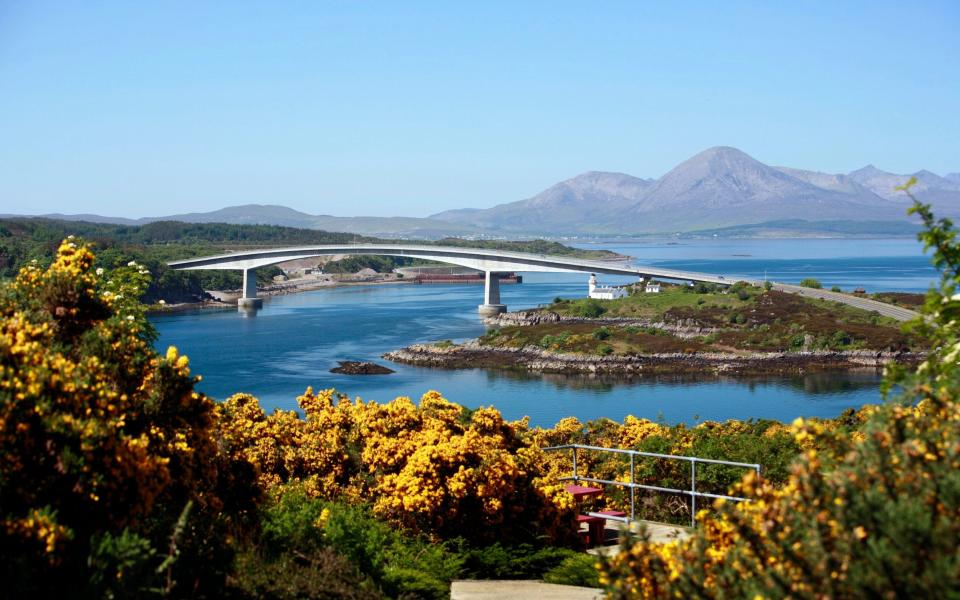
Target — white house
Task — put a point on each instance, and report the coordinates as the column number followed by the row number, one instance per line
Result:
column 605, row 292
column 653, row 287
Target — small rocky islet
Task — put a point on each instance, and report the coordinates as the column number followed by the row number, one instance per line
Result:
column 353, row 367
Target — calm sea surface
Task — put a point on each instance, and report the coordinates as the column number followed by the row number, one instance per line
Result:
column 295, row 340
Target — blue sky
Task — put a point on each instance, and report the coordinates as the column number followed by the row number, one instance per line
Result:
column 405, row 108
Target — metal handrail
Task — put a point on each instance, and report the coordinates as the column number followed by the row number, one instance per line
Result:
column 632, row 485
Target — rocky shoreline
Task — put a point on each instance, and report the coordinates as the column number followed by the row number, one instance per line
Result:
column 473, row 355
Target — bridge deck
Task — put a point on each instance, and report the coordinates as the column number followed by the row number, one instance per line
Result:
column 475, row 258
column 500, row 261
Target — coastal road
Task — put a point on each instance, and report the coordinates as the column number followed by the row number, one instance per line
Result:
column 887, row 310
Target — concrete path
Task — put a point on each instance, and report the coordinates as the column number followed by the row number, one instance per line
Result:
column 519, row 590
column 888, row 310
column 660, row 533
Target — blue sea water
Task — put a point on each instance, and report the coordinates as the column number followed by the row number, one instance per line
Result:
column 294, row 340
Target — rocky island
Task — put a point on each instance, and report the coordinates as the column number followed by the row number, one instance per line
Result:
column 683, row 329
column 352, row 367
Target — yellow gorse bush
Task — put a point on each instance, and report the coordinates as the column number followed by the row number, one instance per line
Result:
column 96, row 430
column 433, row 467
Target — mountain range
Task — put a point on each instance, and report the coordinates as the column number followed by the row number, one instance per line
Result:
column 717, row 189
column 272, row 214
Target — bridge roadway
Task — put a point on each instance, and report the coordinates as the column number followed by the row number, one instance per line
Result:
column 888, row 310
column 492, row 262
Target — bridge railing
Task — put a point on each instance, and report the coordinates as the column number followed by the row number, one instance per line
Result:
column 633, row 486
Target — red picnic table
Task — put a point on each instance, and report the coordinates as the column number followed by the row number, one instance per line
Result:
column 595, row 525
column 579, row 492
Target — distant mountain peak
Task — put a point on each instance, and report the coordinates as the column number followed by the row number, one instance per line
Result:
column 593, row 175
column 884, row 184
column 722, row 151
column 721, row 154
column 868, row 171
column 604, row 178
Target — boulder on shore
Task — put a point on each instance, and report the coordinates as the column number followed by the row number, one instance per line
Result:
column 353, row 367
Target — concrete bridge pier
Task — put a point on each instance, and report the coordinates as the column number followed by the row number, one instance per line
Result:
column 491, row 296
column 249, row 300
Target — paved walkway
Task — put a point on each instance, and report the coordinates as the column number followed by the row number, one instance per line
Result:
column 660, row 533
column 520, row 590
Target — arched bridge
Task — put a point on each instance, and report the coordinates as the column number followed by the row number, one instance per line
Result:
column 492, row 262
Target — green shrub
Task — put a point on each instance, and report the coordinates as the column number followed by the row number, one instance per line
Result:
column 704, row 288
column 741, row 289
column 291, row 522
column 390, row 558
column 415, row 583
column 836, row 288
column 305, row 538
column 555, row 341
column 578, row 570
column 605, row 349
column 590, row 308
column 319, row 574
column 601, row 333
column 524, row 561
column 810, row 282
column 111, row 555
column 768, row 285
column 840, row 339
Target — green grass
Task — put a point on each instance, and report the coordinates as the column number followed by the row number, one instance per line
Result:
column 642, row 305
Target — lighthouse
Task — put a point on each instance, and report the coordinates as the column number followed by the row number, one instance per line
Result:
column 603, row 292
